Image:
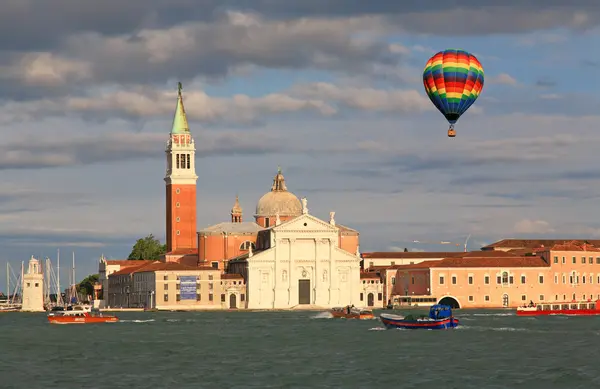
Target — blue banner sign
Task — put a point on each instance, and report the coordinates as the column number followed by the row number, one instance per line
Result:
column 187, row 287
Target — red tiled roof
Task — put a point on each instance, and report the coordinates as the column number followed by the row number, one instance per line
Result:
column 531, row 261
column 183, row 252
column 412, row 254
column 126, row 262
column 159, row 266
column 171, row 266
column 575, row 245
column 434, row 254
column 132, row 269
column 535, row 243
column 231, row 276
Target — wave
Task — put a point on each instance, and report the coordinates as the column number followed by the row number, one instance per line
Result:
column 490, row 314
column 322, row 315
column 377, row 329
column 137, row 321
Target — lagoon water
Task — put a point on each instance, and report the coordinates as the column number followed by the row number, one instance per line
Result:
column 492, row 349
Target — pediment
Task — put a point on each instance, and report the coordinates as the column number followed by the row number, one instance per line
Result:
column 305, row 223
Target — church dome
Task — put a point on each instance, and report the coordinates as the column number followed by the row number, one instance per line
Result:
column 279, row 200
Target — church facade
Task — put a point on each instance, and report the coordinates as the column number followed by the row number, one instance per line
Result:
column 299, row 263
column 287, row 257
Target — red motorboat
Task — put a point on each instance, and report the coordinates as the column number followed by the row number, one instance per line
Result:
column 574, row 308
column 80, row 315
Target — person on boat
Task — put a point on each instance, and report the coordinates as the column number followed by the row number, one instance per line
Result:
column 348, row 309
column 531, row 304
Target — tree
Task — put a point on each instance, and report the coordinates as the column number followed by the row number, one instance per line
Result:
column 147, row 248
column 405, row 250
column 86, row 286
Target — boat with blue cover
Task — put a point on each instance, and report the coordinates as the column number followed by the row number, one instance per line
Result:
column 440, row 317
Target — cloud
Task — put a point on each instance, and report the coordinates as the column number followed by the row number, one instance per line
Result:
column 113, row 147
column 527, row 226
column 502, row 79
column 49, row 24
column 145, row 103
column 366, row 99
column 210, row 49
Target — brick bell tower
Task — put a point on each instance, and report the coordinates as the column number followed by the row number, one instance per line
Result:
column 180, row 180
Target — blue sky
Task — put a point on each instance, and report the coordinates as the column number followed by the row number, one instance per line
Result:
column 330, row 92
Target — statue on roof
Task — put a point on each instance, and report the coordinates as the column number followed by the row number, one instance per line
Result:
column 304, row 207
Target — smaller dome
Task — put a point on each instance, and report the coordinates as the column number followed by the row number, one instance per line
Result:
column 279, row 200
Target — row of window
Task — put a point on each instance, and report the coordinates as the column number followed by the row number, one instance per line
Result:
column 183, row 161
column 198, row 278
column 584, row 260
column 199, row 297
column 541, row 297
column 177, row 286
column 575, row 278
column 504, row 279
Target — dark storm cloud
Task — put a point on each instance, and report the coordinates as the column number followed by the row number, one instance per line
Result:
column 41, row 24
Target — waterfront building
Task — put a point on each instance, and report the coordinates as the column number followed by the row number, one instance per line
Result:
column 299, row 263
column 173, row 286
column 562, row 272
column 106, row 267
column 223, row 241
column 372, row 290
column 33, row 287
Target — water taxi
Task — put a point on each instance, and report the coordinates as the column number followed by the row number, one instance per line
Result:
column 575, row 308
column 351, row 312
column 80, row 314
column 440, row 317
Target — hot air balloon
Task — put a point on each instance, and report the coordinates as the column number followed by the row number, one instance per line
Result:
column 453, row 80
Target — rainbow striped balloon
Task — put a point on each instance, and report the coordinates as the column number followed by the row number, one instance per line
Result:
column 453, row 80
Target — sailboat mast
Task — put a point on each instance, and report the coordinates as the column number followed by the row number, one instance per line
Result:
column 58, row 295
column 74, row 292
column 8, row 281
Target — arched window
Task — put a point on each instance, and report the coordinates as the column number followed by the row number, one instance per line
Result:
column 504, row 278
column 246, row 245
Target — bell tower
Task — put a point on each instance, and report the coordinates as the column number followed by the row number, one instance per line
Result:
column 236, row 211
column 180, row 181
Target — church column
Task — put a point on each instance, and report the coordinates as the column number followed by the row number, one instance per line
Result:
column 293, row 280
column 333, row 276
column 276, row 277
column 316, row 274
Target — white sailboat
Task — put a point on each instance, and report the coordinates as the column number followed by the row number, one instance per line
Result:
column 13, row 301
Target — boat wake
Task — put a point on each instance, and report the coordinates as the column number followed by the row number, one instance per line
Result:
column 136, row 321
column 322, row 315
column 501, row 329
column 491, row 314
column 377, row 329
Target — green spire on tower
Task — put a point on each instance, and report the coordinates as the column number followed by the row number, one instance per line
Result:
column 180, row 123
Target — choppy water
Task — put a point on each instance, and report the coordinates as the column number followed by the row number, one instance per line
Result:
column 492, row 349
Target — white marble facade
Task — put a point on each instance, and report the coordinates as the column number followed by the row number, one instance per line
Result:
column 303, row 267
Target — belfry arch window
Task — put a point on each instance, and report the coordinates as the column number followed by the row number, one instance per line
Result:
column 247, row 244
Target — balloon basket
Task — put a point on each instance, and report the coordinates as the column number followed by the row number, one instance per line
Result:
column 451, row 133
